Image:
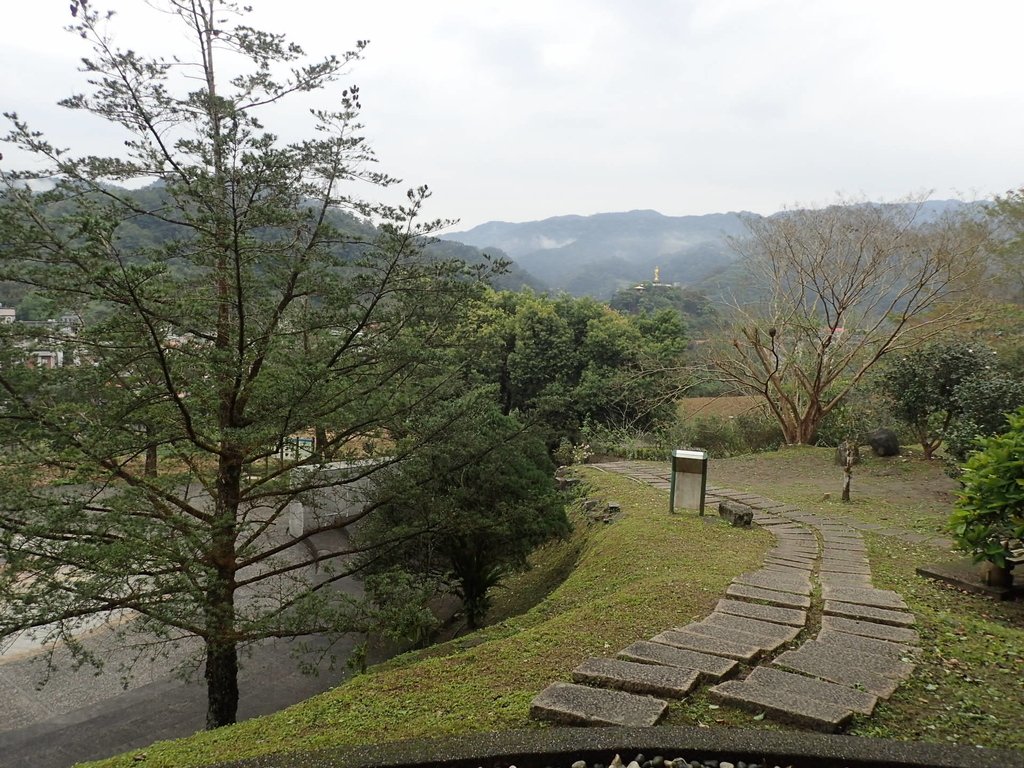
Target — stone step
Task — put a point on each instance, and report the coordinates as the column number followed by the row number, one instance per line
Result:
column 765, row 629
column 871, row 629
column 572, row 704
column 877, row 598
column 791, row 561
column 773, row 613
column 794, row 561
column 865, row 644
column 855, row 570
column 729, row 649
column 842, row 538
column 876, row 663
column 833, row 557
column 710, row 667
column 786, row 571
column 789, row 552
column 832, row 579
column 788, row 707
column 797, row 539
column 834, row 670
column 774, row 580
column 867, row 613
column 844, row 546
column 770, row 596
column 812, row 688
column 766, row 644
column 633, row 677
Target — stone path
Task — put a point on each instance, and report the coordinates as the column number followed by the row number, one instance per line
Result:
column 853, row 643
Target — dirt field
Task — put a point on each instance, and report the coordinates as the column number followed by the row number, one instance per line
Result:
column 690, row 407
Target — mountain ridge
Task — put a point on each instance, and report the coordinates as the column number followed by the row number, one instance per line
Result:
column 600, row 253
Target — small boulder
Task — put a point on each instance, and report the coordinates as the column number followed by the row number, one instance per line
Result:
column 884, row 442
column 740, row 515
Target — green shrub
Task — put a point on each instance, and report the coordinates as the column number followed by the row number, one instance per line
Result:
column 714, row 434
column 759, row 432
column 983, row 404
column 990, row 507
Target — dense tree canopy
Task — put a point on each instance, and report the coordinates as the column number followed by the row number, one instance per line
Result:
column 470, row 513
column 564, row 360
column 952, row 389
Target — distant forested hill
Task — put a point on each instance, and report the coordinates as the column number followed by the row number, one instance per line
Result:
column 600, row 254
column 597, row 255
column 147, row 232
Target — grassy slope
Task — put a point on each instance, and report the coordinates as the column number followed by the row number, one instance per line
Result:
column 645, row 573
column 651, row 571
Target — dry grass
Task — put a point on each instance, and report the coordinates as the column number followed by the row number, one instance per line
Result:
column 724, row 406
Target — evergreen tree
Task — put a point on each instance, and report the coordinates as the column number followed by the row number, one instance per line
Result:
column 255, row 320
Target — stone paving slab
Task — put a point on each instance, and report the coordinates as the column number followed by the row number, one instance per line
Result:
column 871, row 629
column 867, row 613
column 843, row 548
column 833, row 579
column 863, row 644
column 792, row 617
column 806, row 517
column 731, row 634
column 862, row 569
column 716, row 646
column 770, row 504
column 770, row 596
column 796, row 534
column 836, row 672
column 796, row 529
column 573, row 704
column 771, row 522
column 781, row 562
column 844, row 540
column 842, row 556
column 878, row 598
column 713, row 667
column 835, row 566
column 788, row 553
column 793, row 553
column 790, row 708
column 877, row 664
column 799, row 548
column 765, row 629
column 774, row 580
column 630, row 676
column 812, row 688
column 799, row 572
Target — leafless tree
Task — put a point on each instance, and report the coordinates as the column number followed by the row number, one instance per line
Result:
column 838, row 289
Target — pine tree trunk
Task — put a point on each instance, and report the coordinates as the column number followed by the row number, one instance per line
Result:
column 221, row 684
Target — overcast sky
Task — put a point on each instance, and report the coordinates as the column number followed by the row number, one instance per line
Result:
column 520, row 110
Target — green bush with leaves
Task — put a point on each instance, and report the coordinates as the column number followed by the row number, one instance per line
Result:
column 990, row 508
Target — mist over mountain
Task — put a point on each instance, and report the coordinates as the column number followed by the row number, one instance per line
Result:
column 596, row 255
column 599, row 254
